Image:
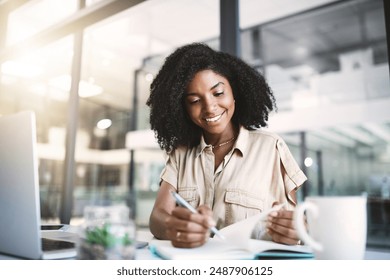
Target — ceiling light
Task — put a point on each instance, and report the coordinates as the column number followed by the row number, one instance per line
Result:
column 104, row 123
column 149, row 77
column 308, row 161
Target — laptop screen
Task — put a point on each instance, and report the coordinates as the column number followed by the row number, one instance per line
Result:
column 19, row 187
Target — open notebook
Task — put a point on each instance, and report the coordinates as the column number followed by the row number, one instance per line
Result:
column 237, row 245
column 20, row 233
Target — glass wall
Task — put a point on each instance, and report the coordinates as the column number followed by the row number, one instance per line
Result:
column 329, row 70
column 28, row 83
column 121, row 55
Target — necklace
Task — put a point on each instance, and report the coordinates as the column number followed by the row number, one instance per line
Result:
column 223, row 143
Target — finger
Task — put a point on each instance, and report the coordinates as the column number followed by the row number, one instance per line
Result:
column 283, row 228
column 186, row 239
column 277, row 237
column 206, row 211
column 284, row 218
column 275, row 203
column 181, row 212
column 284, row 214
column 178, row 224
column 184, row 236
column 287, row 223
column 187, row 244
column 202, row 218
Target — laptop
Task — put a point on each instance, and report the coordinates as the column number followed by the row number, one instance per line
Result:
column 20, row 217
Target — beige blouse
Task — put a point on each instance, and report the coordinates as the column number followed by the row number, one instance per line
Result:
column 258, row 171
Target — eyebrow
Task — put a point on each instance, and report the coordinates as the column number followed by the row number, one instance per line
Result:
column 217, row 84
column 213, row 87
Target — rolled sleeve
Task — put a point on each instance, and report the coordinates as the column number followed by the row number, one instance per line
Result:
column 170, row 171
column 293, row 176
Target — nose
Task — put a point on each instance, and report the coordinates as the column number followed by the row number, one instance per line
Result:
column 209, row 105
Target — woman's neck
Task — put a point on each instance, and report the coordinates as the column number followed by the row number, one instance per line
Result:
column 228, row 136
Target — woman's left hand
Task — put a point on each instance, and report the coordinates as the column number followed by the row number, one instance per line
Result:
column 281, row 228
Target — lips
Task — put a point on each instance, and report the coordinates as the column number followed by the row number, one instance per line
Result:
column 214, row 119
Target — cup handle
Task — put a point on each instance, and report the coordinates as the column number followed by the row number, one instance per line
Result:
column 300, row 225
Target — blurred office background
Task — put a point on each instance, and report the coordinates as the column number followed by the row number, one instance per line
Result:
column 85, row 67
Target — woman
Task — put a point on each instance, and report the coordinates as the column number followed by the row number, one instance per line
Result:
column 206, row 111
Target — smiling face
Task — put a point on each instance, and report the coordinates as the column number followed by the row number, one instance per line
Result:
column 210, row 104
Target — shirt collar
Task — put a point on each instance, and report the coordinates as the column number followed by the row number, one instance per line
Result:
column 242, row 140
column 241, row 143
column 202, row 145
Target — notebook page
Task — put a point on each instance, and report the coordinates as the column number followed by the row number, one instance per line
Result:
column 239, row 234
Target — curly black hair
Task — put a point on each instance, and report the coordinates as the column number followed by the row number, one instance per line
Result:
column 168, row 116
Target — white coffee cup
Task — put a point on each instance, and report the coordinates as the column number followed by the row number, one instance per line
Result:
column 336, row 226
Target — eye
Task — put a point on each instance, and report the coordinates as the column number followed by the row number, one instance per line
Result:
column 219, row 93
column 193, row 101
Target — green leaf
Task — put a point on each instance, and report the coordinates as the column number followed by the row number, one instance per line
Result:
column 103, row 237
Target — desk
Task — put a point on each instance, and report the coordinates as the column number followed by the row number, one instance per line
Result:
column 376, row 255
column 145, row 254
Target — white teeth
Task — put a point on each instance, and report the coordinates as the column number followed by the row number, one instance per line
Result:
column 216, row 118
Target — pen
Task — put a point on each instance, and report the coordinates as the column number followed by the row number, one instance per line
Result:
column 183, row 203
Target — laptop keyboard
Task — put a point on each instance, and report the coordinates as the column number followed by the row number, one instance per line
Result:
column 52, row 245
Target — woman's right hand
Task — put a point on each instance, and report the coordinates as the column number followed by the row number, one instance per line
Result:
column 188, row 230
